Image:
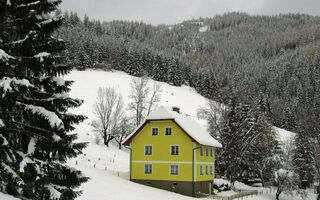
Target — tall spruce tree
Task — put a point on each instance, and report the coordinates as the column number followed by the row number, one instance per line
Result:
column 34, row 122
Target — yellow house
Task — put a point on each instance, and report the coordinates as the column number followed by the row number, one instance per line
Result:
column 171, row 151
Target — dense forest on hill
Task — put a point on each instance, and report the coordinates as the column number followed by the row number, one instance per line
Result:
column 270, row 62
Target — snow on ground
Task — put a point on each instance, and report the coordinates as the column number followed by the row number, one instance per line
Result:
column 100, row 163
column 107, row 185
column 87, row 83
column 103, row 165
column 272, row 196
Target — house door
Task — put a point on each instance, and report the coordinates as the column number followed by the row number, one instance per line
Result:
column 210, row 187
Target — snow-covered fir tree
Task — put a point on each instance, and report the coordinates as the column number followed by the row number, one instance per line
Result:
column 34, row 119
column 302, row 157
column 248, row 142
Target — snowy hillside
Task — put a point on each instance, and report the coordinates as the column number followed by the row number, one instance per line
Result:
column 102, row 164
column 108, row 167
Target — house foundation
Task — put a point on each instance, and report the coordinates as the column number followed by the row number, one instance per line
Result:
column 181, row 187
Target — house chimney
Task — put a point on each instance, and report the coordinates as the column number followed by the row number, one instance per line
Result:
column 176, row 109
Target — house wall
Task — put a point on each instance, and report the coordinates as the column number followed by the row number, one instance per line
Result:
column 161, row 157
column 204, row 161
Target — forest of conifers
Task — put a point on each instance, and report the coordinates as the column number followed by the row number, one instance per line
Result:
column 269, row 62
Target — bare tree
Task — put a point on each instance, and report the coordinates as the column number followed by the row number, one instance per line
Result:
column 155, row 96
column 213, row 113
column 108, row 110
column 141, row 102
column 124, row 129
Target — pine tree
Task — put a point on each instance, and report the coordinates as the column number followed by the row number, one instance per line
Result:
column 34, row 122
column 302, row 157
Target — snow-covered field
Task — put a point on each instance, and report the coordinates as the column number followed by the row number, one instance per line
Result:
column 108, row 167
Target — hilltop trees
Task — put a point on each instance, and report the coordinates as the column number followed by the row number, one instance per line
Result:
column 34, row 122
column 269, row 58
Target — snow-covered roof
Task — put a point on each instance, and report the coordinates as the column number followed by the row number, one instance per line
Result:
column 189, row 125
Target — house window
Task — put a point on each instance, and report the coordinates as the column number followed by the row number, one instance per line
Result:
column 148, row 168
column 174, row 150
column 168, row 131
column 174, row 169
column 207, row 170
column 201, row 151
column 154, row 131
column 148, row 150
column 211, row 170
column 211, row 151
column 201, row 172
column 207, row 151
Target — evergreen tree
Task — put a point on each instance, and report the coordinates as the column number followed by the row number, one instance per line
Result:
column 302, row 157
column 34, row 122
column 248, row 142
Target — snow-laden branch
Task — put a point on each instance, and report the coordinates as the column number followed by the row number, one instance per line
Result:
column 6, row 84
column 28, row 4
column 59, row 81
column 10, row 171
column 23, row 163
column 4, row 56
column 1, row 123
column 42, row 55
column 5, row 141
column 48, row 21
column 54, row 194
column 52, row 118
column 25, row 38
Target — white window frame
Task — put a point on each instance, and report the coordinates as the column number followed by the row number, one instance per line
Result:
column 171, row 170
column 211, row 151
column 207, row 170
column 201, row 150
column 201, row 170
column 165, row 131
column 207, row 151
column 148, row 145
column 174, row 145
column 211, row 169
column 152, row 131
column 145, row 168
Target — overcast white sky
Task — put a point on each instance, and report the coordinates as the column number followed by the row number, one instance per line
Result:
column 175, row 11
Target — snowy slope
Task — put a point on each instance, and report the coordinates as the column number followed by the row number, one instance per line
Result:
column 102, row 164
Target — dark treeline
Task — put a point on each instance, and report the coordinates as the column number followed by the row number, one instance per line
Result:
column 269, row 62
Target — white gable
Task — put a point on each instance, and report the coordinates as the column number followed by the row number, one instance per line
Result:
column 189, row 125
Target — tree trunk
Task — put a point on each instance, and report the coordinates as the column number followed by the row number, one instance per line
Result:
column 318, row 197
column 278, row 194
column 107, row 139
column 119, row 143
